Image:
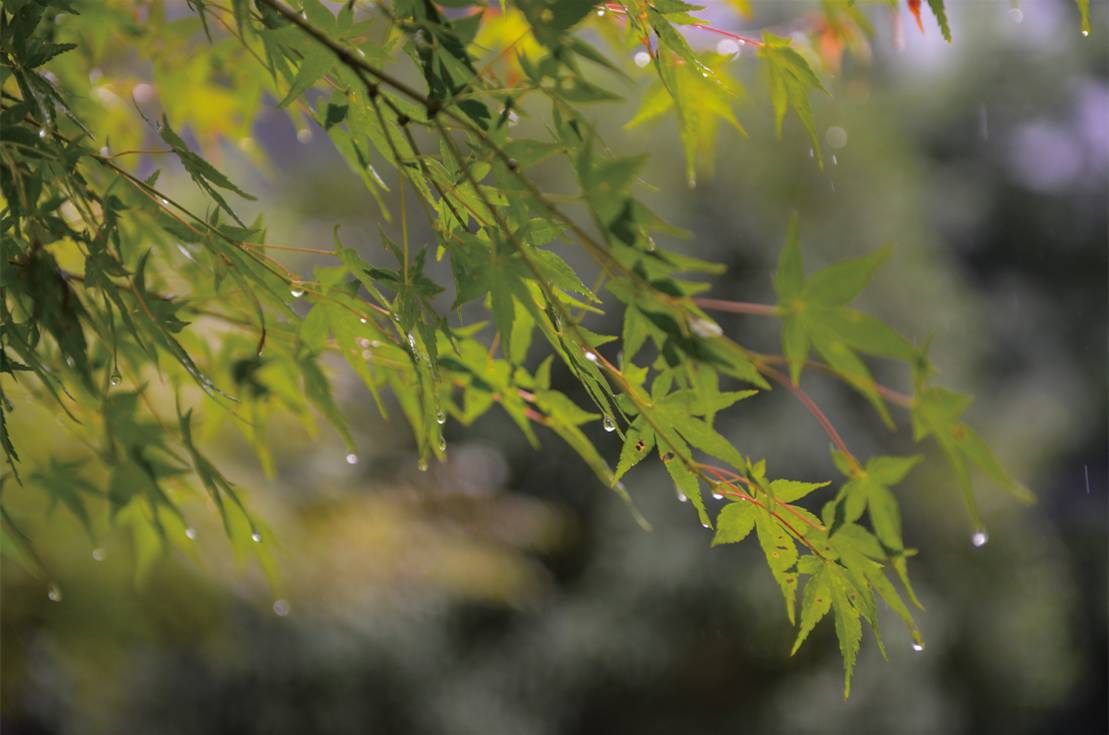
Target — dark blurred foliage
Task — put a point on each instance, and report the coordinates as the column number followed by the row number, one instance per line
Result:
column 507, row 592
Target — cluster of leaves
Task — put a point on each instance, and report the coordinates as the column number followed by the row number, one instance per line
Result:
column 90, row 252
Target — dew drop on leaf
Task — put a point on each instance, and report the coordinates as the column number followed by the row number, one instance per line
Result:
column 440, row 417
column 304, row 135
column 256, row 537
column 717, row 496
column 918, row 647
column 591, row 356
column 54, row 593
column 641, row 59
column 705, row 328
column 352, row 458
column 190, row 533
column 727, row 47
column 42, row 132
column 115, row 379
column 296, row 292
column 98, row 554
column 609, row 424
column 422, row 466
column 105, row 151
column 280, row 608
column 442, row 444
column 979, row 538
column 682, row 497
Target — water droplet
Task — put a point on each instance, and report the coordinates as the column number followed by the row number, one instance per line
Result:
column 256, row 537
column 835, row 160
column 513, row 119
column 98, row 554
column 363, row 343
column 683, row 498
column 42, row 132
column 352, row 458
column 704, row 525
column 54, row 593
column 105, row 151
column 280, row 608
column 812, row 153
column 705, row 328
column 1085, row 32
column 190, row 533
column 727, row 47
column 165, row 202
column 115, row 379
column 836, row 136
column 918, row 647
column 412, row 341
column 591, row 356
column 979, row 538
column 304, row 135
column 1016, row 15
column 651, row 244
column 442, row 444
column 440, row 417
column 641, row 59
column 601, row 13
column 609, row 424
column 717, row 496
column 422, row 466
column 363, row 320
column 303, row 15
column 361, row 53
column 296, row 292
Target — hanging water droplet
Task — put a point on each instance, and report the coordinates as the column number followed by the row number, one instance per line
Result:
column 591, row 356
column 682, row 497
column 361, row 53
column 363, row 320
column 651, row 244
column 641, row 59
column 705, row 328
column 440, row 417
column 812, row 153
column 422, row 466
column 256, row 537
column 303, row 15
column 1016, row 15
column 54, row 593
column 513, row 119
column 98, row 554
column 835, row 160
column 363, row 343
column 190, row 533
column 979, row 538
column 165, row 202
column 115, row 379
column 442, row 444
column 352, row 458
column 918, row 647
column 727, row 47
column 105, row 151
column 304, row 135
column 280, row 608
column 717, row 496
column 704, row 524
column 42, row 132
column 601, row 13
column 412, row 341
column 1085, row 32
column 296, row 292
column 609, row 424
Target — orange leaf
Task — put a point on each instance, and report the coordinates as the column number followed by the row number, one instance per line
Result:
column 914, row 8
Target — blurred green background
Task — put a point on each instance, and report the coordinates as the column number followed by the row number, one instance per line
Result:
column 507, row 591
